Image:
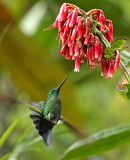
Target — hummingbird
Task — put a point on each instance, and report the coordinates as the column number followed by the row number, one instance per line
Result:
column 48, row 114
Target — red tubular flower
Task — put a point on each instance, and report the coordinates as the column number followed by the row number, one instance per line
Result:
column 111, row 68
column 78, row 41
column 103, row 67
column 74, row 17
column 73, row 57
column 82, row 54
column 101, row 51
column 66, row 29
column 89, row 55
column 63, row 50
column 76, row 50
column 92, row 39
column 101, row 18
column 110, row 26
column 108, row 34
column 92, row 53
column 63, row 13
column 77, row 64
column 87, row 23
column 69, row 40
column 92, row 47
column 71, row 50
column 82, row 51
column 60, row 25
column 62, row 38
column 117, row 60
column 87, row 37
column 69, row 15
column 107, row 70
column 79, row 21
column 82, row 59
column 55, row 24
column 67, row 56
column 101, row 27
column 96, row 47
column 74, row 32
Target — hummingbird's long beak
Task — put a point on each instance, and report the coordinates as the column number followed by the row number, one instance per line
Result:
column 62, row 83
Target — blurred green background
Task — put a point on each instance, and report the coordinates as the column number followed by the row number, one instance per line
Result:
column 30, row 65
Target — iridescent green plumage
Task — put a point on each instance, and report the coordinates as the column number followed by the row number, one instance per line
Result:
column 53, row 106
column 50, row 113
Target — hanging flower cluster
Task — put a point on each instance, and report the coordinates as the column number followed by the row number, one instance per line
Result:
column 78, row 40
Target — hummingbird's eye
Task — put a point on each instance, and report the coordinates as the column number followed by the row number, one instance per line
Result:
column 52, row 92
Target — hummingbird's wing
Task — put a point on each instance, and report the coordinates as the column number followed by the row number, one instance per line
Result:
column 43, row 126
column 38, row 105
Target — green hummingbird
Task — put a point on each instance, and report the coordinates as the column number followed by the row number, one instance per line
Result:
column 48, row 115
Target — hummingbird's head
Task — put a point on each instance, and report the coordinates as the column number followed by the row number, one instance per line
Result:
column 55, row 91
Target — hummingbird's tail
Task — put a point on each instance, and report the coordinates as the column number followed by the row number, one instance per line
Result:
column 43, row 126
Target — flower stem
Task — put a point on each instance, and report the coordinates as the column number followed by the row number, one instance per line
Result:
column 100, row 35
column 125, row 71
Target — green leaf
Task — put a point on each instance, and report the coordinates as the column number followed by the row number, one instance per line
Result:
column 119, row 44
column 99, row 142
column 7, row 133
column 109, row 52
column 124, row 89
column 128, row 91
column 122, row 92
